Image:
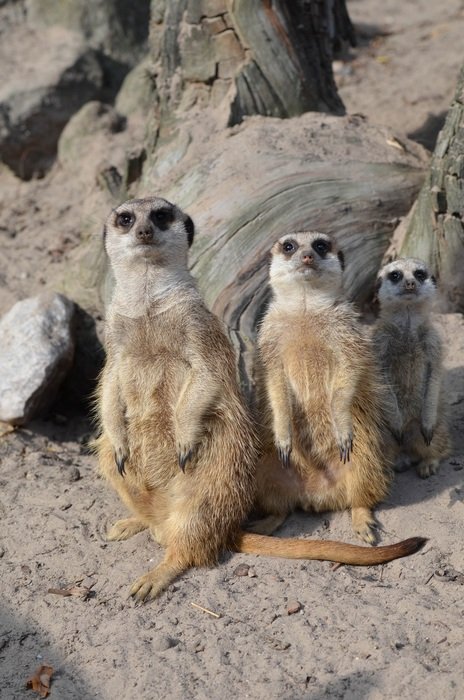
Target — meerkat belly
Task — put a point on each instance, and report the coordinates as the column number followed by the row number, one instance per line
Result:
column 308, row 374
column 150, row 390
column 408, row 374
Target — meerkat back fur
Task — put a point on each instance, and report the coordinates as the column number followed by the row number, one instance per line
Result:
column 323, row 391
column 410, row 352
column 177, row 441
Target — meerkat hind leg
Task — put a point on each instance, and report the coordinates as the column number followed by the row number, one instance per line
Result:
column 151, row 584
column 123, row 529
column 427, row 467
column 364, row 524
column 267, row 525
column 402, row 463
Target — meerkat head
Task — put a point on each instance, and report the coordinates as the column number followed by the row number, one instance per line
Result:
column 307, row 259
column 405, row 281
column 152, row 230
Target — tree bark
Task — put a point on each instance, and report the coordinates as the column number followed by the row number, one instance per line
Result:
column 434, row 230
column 270, row 57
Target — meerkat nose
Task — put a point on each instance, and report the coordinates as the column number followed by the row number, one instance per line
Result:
column 307, row 259
column 144, row 235
column 410, row 284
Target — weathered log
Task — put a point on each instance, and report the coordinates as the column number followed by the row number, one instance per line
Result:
column 434, row 229
column 269, row 58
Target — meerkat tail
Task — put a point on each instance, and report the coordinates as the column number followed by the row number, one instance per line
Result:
column 326, row 550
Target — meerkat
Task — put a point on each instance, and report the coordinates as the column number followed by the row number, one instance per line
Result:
column 325, row 446
column 177, row 442
column 410, row 352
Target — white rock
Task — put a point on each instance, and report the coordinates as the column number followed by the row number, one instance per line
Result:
column 36, row 351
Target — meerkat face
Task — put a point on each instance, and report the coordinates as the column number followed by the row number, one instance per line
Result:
column 149, row 229
column 405, row 281
column 307, row 258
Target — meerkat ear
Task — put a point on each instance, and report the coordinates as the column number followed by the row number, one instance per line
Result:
column 190, row 230
column 341, row 257
column 378, row 284
column 434, row 280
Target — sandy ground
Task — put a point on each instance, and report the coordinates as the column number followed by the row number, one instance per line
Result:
column 381, row 632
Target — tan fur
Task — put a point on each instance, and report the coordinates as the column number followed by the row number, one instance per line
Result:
column 169, row 389
column 410, row 351
column 168, row 397
column 322, row 388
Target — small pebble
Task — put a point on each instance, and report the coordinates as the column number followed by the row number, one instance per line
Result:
column 74, row 474
column 293, row 607
column 242, row 570
column 252, row 572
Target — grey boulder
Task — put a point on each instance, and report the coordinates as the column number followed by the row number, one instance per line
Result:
column 36, row 352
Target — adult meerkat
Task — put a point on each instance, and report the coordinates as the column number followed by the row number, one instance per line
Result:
column 176, row 439
column 410, row 351
column 322, row 388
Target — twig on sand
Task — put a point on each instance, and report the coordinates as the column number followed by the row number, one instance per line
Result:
column 210, row 612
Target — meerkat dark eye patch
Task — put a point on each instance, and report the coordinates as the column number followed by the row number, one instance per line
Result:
column 420, row 275
column 162, row 218
column 190, row 228
column 321, row 246
column 125, row 219
column 341, row 258
column 395, row 276
column 289, row 246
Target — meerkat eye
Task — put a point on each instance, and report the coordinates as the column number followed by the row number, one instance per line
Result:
column 395, row 276
column 321, row 246
column 289, row 246
column 161, row 217
column 125, row 220
column 420, row 275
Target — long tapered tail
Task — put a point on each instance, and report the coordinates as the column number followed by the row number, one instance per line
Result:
column 326, row 550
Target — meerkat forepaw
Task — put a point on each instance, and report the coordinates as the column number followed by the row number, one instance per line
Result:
column 284, row 450
column 398, row 435
column 184, row 455
column 346, row 448
column 120, row 457
column 427, row 434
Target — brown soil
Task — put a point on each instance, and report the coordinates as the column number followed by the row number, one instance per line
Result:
column 391, row 631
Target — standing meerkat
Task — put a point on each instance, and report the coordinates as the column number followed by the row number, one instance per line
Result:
column 176, row 440
column 322, row 388
column 410, row 351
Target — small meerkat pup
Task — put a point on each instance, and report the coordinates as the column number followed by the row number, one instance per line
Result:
column 177, row 442
column 322, row 387
column 410, row 351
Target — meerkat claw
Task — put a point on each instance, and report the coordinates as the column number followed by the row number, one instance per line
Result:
column 284, row 455
column 120, row 460
column 346, row 449
column 183, row 458
column 427, row 434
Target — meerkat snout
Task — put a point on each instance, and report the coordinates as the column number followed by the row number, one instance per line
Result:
column 144, row 234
